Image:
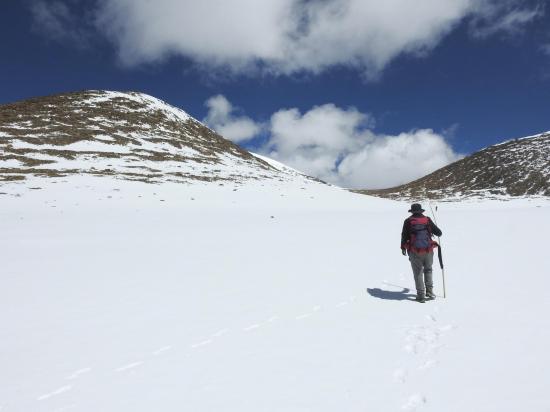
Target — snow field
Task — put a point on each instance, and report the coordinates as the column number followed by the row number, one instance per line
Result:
column 264, row 296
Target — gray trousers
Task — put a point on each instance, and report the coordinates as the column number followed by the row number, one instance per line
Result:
column 421, row 264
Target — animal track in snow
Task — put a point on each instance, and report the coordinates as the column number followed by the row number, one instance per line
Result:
column 203, row 343
column 59, row 391
column 220, row 333
column 129, row 366
column 160, row 350
column 79, row 372
column 341, row 304
column 303, row 316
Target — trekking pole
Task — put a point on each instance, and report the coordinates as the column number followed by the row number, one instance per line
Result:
column 439, row 253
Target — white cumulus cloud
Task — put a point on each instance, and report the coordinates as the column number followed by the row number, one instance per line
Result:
column 337, row 144
column 393, row 160
column 316, row 141
column 289, row 36
column 222, row 118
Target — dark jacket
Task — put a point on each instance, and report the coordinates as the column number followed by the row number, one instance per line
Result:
column 406, row 232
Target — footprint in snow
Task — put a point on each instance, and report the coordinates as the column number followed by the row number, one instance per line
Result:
column 220, row 333
column 77, row 373
column 129, row 366
column 447, row 328
column 58, row 391
column 400, row 375
column 422, row 339
column 430, row 363
column 303, row 316
column 203, row 343
column 161, row 350
column 414, row 402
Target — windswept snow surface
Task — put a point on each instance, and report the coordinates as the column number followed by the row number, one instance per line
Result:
column 267, row 296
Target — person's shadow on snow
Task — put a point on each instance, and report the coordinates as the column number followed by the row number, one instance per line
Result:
column 391, row 295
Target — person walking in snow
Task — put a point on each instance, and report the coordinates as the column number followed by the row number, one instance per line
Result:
column 416, row 240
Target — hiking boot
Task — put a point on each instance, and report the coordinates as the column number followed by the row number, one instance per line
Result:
column 420, row 298
column 430, row 293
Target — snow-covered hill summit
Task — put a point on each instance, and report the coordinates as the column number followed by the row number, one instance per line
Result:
column 130, row 135
column 519, row 167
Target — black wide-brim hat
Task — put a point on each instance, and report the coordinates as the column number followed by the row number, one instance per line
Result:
column 415, row 208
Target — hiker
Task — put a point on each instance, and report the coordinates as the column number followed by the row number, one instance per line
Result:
column 416, row 240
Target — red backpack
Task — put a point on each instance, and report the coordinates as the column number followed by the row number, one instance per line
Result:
column 421, row 235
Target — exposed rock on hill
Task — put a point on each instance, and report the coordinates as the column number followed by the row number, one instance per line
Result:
column 127, row 135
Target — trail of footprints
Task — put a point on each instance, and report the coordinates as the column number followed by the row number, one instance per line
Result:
column 74, row 376
column 422, row 343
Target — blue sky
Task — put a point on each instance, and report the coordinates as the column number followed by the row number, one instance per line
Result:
column 357, row 92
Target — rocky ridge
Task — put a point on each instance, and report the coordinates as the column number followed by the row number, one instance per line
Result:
column 130, row 136
column 515, row 168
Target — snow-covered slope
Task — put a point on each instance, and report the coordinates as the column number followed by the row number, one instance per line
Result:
column 263, row 296
column 129, row 136
column 516, row 168
column 248, row 288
